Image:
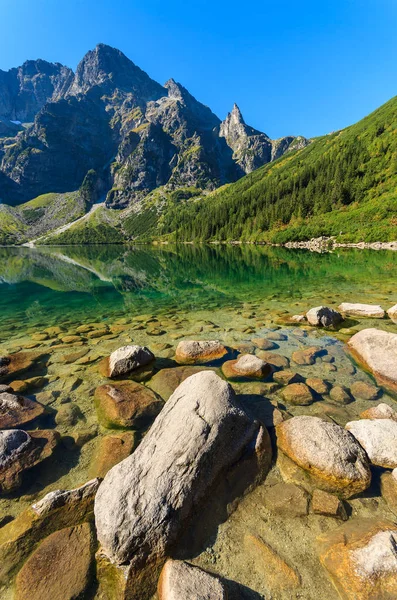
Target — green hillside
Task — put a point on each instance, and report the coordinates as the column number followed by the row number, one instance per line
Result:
column 343, row 184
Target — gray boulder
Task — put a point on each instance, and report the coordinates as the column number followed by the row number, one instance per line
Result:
column 378, row 437
column 377, row 351
column 145, row 502
column 322, row 316
column 373, row 311
column 181, row 581
column 128, row 358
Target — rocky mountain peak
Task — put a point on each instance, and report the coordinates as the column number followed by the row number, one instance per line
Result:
column 236, row 115
column 109, row 69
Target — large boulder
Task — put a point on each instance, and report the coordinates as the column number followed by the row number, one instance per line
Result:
column 376, row 350
column 330, row 456
column 372, row 311
column 181, row 581
column 126, row 404
column 246, row 366
column 145, row 502
column 323, row 316
column 19, row 451
column 199, row 352
column 126, row 360
column 16, row 410
column 378, row 437
column 61, row 568
column 361, row 560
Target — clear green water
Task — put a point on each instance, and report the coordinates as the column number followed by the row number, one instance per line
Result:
column 68, row 285
column 232, row 293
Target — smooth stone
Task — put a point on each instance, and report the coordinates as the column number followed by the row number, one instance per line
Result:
column 322, row 316
column 278, row 575
column 329, row 455
column 307, row 356
column 392, row 313
column 127, row 404
column 287, row 499
column 328, row 505
column 318, row 385
column 298, row 394
column 264, row 344
column 128, row 358
column 70, row 339
column 360, row 559
column 276, row 336
column 298, row 318
column 286, row 377
column 199, row 352
column 165, row 382
column 198, row 436
column 340, row 395
column 61, row 568
column 11, row 367
column 68, row 415
column 364, row 391
column 16, row 410
column 276, row 360
column 378, row 437
column 377, row 351
column 111, row 450
column 181, row 581
column 382, row 411
column 362, row 310
column 246, row 366
column 71, row 358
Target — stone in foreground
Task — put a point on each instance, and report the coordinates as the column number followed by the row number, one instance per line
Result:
column 362, row 310
column 199, row 352
column 181, row 581
column 322, row 316
column 377, row 351
column 378, row 437
column 361, row 560
column 128, row 358
column 247, row 366
column 145, row 502
column 60, row 568
column 382, row 411
column 16, row 410
column 330, row 456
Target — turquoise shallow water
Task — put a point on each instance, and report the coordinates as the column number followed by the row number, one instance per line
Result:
column 48, row 286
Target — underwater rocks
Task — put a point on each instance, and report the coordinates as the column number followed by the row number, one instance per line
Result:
column 15, row 410
column 364, row 391
column 371, row 311
column 66, row 498
column 19, row 451
column 328, row 505
column 11, row 367
column 126, row 404
column 378, row 437
column 165, row 382
column 180, row 581
column 127, row 359
column 199, row 352
column 330, row 456
column 246, row 366
column 361, row 560
column 145, row 502
column 298, row 394
column 377, row 351
column 322, row 316
column 60, row 568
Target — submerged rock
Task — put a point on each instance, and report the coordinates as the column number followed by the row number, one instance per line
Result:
column 287, row 499
column 247, row 366
column 11, row 367
column 127, row 404
column 307, row 356
column 378, row 437
column 298, row 394
column 165, row 382
column 361, row 560
column 16, row 410
column 362, row 310
column 364, row 390
column 111, row 450
column 199, row 352
column 61, row 568
column 322, row 316
column 181, row 581
column 19, row 451
column 377, row 351
column 328, row 505
column 330, row 456
column 278, row 574
column 145, row 501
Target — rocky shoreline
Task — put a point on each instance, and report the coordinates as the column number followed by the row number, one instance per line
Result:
column 234, row 469
column 326, row 244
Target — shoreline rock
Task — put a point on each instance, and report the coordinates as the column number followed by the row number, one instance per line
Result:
column 376, row 350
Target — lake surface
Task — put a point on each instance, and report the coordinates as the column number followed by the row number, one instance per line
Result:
column 76, row 305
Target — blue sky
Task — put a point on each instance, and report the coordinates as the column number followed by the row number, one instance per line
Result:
column 294, row 67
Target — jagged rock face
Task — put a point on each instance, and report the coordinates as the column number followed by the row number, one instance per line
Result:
column 113, row 118
column 26, row 89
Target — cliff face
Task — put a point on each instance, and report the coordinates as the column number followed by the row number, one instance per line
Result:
column 111, row 117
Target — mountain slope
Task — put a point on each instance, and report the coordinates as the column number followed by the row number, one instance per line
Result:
column 111, row 117
column 321, row 190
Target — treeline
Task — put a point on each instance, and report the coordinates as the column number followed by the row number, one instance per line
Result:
column 336, row 171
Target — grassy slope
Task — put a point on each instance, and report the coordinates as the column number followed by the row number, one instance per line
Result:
column 343, row 184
